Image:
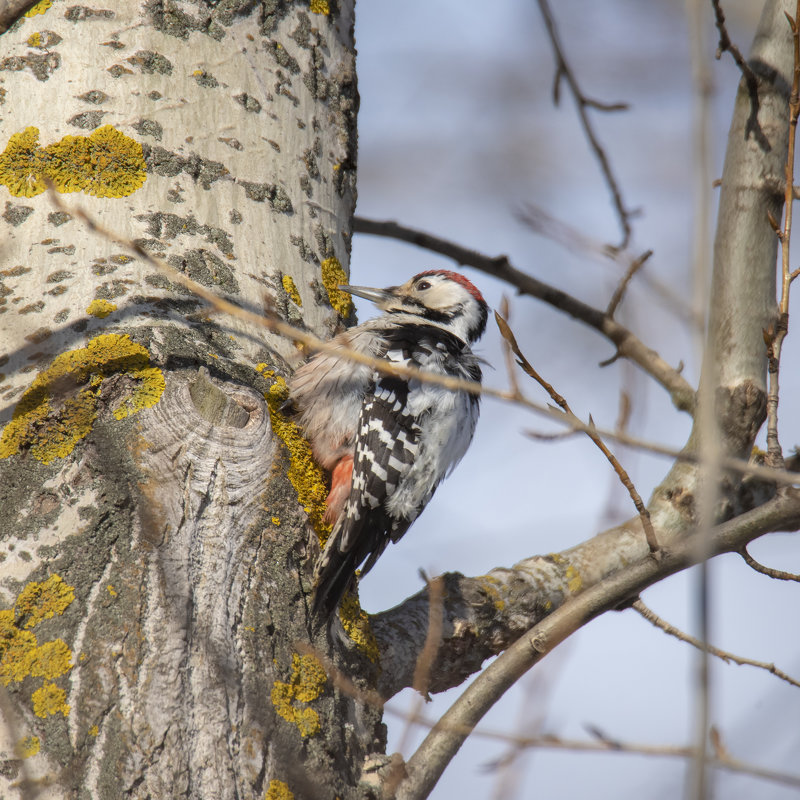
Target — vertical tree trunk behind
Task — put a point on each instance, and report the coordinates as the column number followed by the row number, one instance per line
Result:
column 154, row 551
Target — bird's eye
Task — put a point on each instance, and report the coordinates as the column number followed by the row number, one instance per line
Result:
column 424, row 285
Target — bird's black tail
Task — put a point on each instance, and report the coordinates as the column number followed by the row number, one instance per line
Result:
column 333, row 577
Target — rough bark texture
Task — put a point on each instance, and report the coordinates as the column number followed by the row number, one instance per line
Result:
column 155, row 552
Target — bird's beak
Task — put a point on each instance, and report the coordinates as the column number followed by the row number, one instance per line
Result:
column 375, row 295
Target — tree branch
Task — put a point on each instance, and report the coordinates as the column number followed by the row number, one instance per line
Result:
column 627, row 344
column 435, row 753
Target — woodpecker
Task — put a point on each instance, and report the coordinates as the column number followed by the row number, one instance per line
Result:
column 389, row 441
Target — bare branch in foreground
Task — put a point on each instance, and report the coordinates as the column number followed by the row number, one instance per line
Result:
column 778, row 574
column 623, row 476
column 626, row 343
column 727, row 657
column 564, row 70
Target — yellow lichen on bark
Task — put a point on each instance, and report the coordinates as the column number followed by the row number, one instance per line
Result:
column 333, row 275
column 39, row 8
column 50, row 699
column 101, row 308
column 51, row 433
column 355, row 622
column 278, row 790
column 107, row 163
column 305, row 684
column 320, row 7
column 28, row 746
column 21, row 655
column 291, row 289
column 43, row 600
column 574, row 580
column 304, row 473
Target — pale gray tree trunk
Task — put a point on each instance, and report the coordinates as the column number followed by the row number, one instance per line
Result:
column 155, row 552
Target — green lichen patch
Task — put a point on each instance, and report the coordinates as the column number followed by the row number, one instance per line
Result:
column 291, row 699
column 60, row 407
column 88, row 120
column 205, row 79
column 42, row 65
column 270, row 193
column 248, row 103
column 332, row 276
column 203, row 266
column 149, row 127
column 82, row 13
column 95, row 97
column 167, row 164
column 105, row 164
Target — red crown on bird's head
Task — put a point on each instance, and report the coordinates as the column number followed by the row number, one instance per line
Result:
column 458, row 278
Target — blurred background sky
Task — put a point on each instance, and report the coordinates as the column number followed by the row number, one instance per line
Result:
column 457, row 131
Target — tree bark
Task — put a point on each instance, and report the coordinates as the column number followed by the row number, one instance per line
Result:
column 156, row 554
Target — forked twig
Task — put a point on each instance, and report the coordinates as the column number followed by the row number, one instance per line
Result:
column 564, row 70
column 590, row 431
column 750, row 79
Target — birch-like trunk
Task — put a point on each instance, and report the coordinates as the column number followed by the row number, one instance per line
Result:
column 155, row 556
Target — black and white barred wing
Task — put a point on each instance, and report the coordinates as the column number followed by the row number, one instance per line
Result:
column 386, row 444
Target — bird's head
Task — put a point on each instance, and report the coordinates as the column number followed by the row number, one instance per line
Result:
column 438, row 296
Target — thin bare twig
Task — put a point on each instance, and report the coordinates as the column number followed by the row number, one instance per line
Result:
column 727, row 657
column 619, row 292
column 750, row 79
column 582, row 102
column 778, row 574
column 573, row 239
column 776, row 332
column 433, row 640
column 626, row 343
column 591, row 432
